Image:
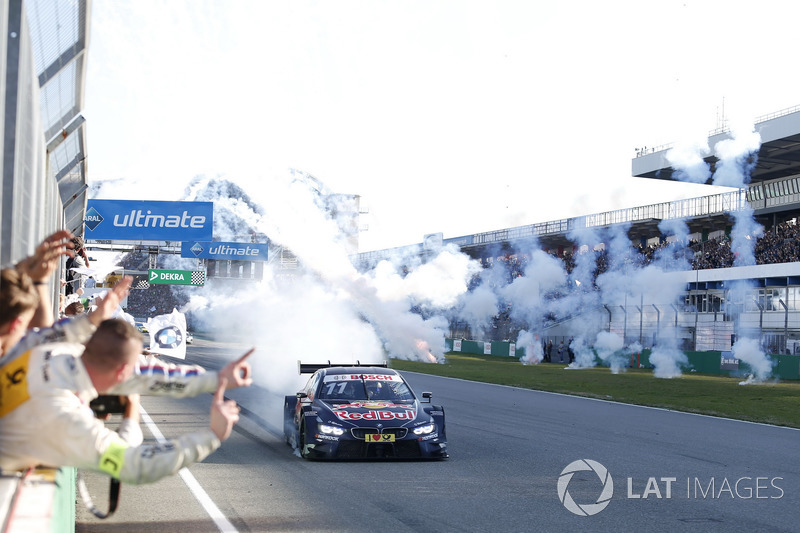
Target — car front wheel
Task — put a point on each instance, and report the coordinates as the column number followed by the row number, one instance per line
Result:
column 301, row 445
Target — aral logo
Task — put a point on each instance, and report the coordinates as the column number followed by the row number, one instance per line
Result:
column 585, row 509
column 92, row 218
column 197, row 249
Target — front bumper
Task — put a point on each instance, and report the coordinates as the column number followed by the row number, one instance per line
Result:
column 320, row 446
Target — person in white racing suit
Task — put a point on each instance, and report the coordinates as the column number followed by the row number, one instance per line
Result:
column 25, row 291
column 45, row 416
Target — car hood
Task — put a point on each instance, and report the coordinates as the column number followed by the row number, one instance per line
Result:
column 387, row 413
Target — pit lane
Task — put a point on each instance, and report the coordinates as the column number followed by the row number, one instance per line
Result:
column 508, row 448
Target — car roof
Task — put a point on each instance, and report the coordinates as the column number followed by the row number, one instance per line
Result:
column 359, row 370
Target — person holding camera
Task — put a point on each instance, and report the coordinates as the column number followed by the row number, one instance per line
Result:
column 45, row 416
column 76, row 281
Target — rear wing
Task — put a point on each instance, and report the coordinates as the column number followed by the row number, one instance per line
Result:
column 310, row 368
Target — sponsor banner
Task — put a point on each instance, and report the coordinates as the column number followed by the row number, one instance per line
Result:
column 487, row 348
column 168, row 334
column 176, row 277
column 139, row 220
column 728, row 361
column 456, row 345
column 512, row 350
column 236, row 251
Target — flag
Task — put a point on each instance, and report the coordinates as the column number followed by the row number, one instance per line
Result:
column 168, row 334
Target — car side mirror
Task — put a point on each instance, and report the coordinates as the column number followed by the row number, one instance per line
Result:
column 426, row 397
column 301, row 396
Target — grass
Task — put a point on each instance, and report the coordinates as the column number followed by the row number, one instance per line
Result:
column 775, row 403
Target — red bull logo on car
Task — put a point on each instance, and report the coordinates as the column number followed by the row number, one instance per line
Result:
column 403, row 414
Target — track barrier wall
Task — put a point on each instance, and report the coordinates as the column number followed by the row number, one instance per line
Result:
column 42, row 499
column 785, row 367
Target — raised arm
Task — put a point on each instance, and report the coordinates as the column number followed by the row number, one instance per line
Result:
column 40, row 266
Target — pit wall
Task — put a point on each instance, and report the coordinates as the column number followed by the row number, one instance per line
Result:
column 785, row 367
column 41, row 500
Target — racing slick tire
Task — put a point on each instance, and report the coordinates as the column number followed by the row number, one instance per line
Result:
column 301, row 439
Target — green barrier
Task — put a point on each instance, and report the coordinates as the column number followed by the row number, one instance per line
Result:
column 64, row 504
column 503, row 348
column 785, row 367
column 478, row 347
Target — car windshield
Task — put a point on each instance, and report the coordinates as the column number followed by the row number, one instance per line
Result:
column 394, row 390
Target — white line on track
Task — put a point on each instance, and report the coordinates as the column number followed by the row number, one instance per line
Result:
column 202, row 497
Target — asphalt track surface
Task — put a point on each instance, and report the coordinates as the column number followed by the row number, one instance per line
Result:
column 671, row 471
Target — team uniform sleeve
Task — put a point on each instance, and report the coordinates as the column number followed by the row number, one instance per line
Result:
column 130, row 431
column 155, row 377
column 82, row 441
column 151, row 462
column 77, row 330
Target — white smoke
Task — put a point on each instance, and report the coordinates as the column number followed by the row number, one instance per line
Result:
column 292, row 215
column 477, row 308
column 750, row 352
column 687, row 159
column 667, row 359
column 585, row 356
column 608, row 347
column 324, row 310
column 736, row 159
column 439, row 282
column 533, row 348
column 585, row 264
column 529, row 292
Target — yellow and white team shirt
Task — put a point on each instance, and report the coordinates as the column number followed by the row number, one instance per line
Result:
column 45, row 418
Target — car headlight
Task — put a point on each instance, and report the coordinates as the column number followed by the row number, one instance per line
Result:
column 424, row 430
column 330, row 430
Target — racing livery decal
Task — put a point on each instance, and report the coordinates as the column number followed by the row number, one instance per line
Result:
column 406, row 414
column 368, row 412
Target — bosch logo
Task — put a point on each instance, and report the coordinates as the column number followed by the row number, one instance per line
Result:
column 585, row 509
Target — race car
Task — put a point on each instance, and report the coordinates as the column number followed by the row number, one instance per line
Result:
column 360, row 412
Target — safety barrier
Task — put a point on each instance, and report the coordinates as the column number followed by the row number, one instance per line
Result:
column 707, row 362
column 41, row 499
column 486, row 348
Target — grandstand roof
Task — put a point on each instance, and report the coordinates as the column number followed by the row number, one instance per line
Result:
column 778, row 157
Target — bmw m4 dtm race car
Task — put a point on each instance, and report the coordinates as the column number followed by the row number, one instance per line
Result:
column 362, row 411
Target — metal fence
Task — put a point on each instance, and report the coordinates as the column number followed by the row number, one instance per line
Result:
column 42, row 71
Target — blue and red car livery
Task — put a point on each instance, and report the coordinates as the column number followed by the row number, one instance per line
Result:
column 358, row 412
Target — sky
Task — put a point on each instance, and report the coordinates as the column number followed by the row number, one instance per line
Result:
column 456, row 116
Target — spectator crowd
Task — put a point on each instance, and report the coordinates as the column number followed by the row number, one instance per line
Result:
column 779, row 244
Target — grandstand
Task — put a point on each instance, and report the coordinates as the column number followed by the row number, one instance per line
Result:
column 707, row 319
